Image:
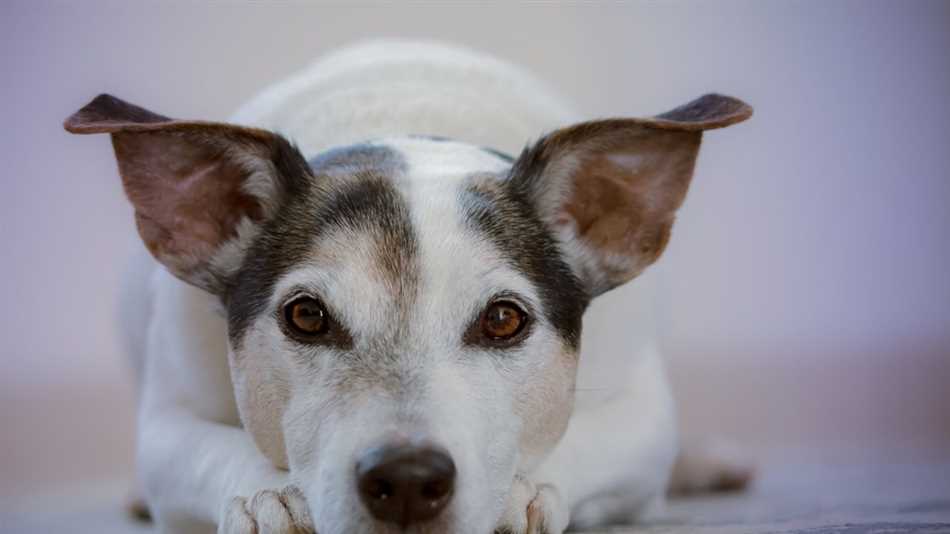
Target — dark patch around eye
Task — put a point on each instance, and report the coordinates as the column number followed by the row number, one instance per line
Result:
column 365, row 200
column 509, row 220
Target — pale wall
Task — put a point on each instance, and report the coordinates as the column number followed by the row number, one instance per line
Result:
column 806, row 294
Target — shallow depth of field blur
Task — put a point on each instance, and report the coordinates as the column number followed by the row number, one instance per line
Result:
column 805, row 301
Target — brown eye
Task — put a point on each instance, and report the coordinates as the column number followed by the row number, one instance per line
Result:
column 503, row 320
column 306, row 316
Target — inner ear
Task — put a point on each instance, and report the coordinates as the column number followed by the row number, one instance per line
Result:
column 200, row 189
column 189, row 197
column 610, row 189
column 622, row 201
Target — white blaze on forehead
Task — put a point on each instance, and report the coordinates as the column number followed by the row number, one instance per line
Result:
column 460, row 269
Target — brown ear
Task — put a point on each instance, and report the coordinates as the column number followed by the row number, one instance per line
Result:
column 610, row 188
column 200, row 189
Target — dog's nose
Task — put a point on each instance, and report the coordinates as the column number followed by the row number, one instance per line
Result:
column 405, row 484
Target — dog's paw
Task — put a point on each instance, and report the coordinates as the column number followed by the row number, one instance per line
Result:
column 710, row 465
column 533, row 509
column 268, row 512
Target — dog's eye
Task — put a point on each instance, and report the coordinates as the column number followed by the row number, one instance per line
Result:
column 503, row 320
column 306, row 316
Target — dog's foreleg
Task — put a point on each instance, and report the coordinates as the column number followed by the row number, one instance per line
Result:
column 192, row 468
column 613, row 463
column 198, row 467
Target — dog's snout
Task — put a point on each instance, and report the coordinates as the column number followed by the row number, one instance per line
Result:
column 405, row 484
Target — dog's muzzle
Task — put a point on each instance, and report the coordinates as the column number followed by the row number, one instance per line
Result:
column 405, row 484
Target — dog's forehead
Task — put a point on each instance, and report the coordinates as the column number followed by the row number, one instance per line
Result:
column 442, row 159
column 405, row 224
column 396, row 249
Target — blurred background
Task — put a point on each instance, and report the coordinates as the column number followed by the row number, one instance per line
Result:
column 805, row 296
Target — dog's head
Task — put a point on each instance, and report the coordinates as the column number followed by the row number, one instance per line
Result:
column 404, row 315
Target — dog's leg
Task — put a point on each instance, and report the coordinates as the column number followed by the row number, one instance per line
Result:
column 135, row 503
column 614, row 461
column 198, row 468
column 710, row 465
column 202, row 472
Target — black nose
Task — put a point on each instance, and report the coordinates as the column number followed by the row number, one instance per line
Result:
column 405, row 484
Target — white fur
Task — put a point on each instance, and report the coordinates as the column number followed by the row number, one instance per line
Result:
column 195, row 459
column 393, row 88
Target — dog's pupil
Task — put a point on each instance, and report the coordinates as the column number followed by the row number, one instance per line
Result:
column 503, row 320
column 308, row 316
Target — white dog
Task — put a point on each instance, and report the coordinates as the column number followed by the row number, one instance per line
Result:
column 377, row 329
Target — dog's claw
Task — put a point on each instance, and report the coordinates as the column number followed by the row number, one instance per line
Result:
column 533, row 509
column 268, row 511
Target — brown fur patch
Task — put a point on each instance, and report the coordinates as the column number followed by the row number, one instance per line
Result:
column 513, row 225
column 628, row 211
column 187, row 179
column 188, row 198
column 619, row 182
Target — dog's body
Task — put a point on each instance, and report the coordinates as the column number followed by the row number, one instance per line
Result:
column 403, row 228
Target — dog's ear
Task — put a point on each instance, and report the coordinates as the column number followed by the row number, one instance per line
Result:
column 200, row 189
column 610, row 188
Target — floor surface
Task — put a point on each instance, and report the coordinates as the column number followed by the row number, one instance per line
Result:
column 800, row 499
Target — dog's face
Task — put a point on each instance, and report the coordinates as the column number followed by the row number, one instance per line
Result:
column 404, row 315
column 405, row 299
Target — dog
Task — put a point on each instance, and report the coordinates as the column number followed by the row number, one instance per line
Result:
column 377, row 327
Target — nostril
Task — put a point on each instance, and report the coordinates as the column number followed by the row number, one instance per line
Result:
column 379, row 489
column 405, row 484
column 436, row 489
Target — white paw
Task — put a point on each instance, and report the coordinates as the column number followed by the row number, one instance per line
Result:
column 268, row 512
column 533, row 509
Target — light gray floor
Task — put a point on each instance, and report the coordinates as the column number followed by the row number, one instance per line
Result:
column 812, row 499
column 801, row 499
